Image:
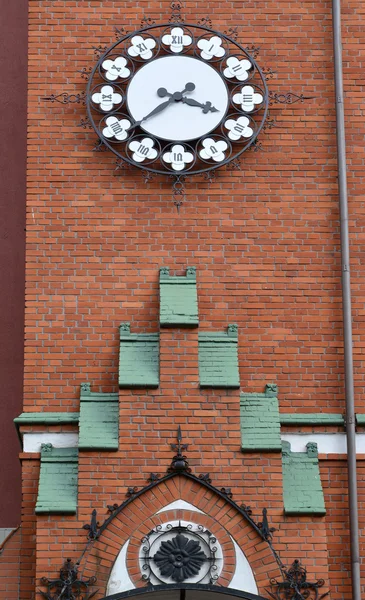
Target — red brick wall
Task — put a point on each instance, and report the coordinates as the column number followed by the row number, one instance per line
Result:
column 265, row 242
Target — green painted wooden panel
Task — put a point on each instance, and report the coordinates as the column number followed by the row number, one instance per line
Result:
column 302, row 487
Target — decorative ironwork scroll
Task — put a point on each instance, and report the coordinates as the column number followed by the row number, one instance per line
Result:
column 68, row 586
column 65, row 98
column 295, row 585
column 176, row 16
column 289, row 98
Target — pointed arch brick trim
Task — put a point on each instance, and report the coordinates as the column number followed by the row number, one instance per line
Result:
column 200, row 480
column 138, row 514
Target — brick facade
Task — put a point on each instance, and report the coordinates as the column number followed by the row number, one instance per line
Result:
column 265, row 243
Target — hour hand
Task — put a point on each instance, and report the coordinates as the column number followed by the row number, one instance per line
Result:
column 207, row 107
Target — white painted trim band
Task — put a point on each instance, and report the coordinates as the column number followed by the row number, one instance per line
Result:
column 328, row 443
column 32, row 441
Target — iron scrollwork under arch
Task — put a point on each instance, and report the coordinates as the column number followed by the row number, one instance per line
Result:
column 295, row 585
column 68, row 586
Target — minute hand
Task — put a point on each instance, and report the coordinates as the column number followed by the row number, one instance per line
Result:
column 153, row 112
column 207, row 107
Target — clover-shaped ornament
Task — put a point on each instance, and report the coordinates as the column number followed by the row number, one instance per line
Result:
column 211, row 48
column 177, row 39
column 178, row 157
column 248, row 98
column 116, row 128
column 237, row 69
column 213, row 150
column 107, row 98
column 238, row 128
column 143, row 149
column 116, row 68
column 141, row 47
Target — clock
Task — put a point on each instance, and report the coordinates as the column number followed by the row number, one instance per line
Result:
column 177, row 99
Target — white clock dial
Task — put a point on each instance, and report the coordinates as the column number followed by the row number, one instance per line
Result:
column 178, row 120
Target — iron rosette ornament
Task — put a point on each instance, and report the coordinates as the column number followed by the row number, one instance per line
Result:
column 179, row 558
column 177, row 99
column 180, row 552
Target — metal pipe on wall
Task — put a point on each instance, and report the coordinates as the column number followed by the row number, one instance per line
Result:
column 346, row 302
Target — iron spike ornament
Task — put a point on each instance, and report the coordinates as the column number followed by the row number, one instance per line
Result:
column 177, row 99
column 179, row 462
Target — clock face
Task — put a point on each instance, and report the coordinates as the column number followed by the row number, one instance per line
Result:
column 179, row 121
column 177, row 99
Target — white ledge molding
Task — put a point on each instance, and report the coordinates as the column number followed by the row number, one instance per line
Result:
column 328, row 443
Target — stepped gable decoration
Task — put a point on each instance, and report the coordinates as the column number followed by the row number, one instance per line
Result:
column 176, row 99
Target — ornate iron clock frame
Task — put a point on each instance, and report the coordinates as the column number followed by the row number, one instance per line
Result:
column 237, row 128
column 263, row 121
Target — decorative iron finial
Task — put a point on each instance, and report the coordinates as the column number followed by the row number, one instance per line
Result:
column 176, row 16
column 112, row 507
column 147, row 21
column 93, row 527
column 264, row 526
column 179, row 461
column 205, row 477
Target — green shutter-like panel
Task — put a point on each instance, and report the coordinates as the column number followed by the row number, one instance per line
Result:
column 260, row 424
column 57, row 490
column 178, row 299
column 302, row 487
column 139, row 360
column 99, row 420
column 218, row 359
